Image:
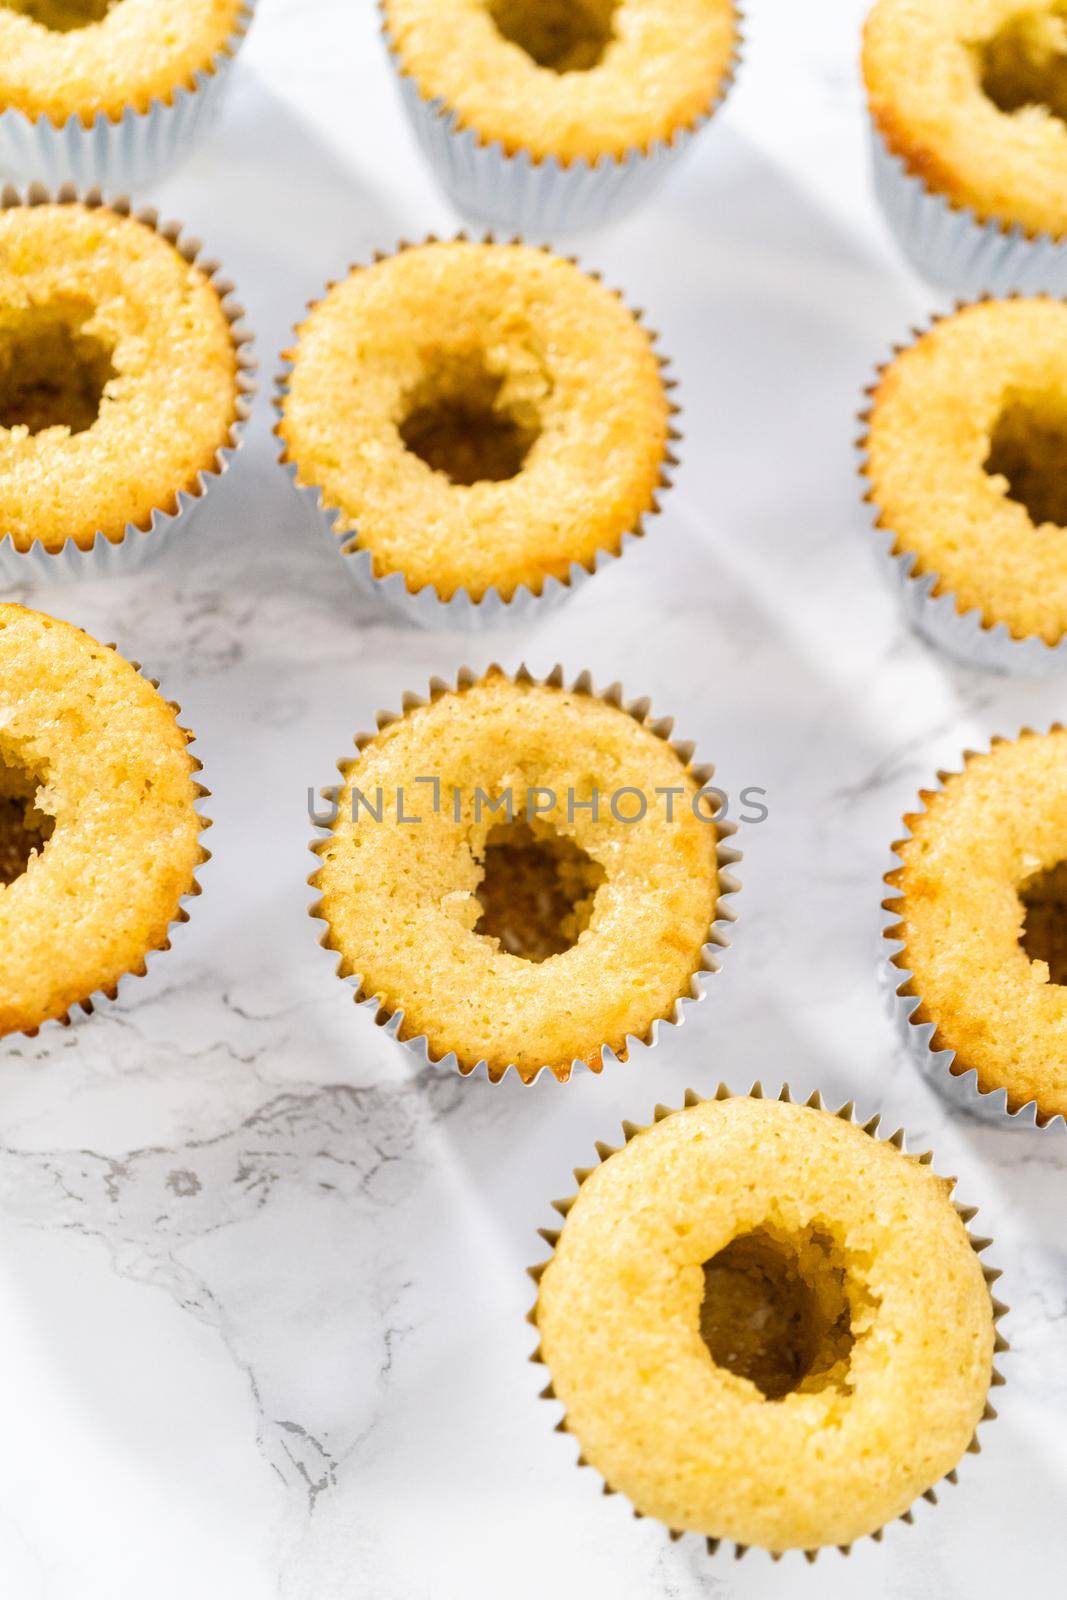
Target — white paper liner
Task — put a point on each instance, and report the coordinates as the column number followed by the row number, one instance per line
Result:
column 948, row 244
column 960, row 1089
column 425, row 607
column 540, row 199
column 964, row 636
column 130, row 152
column 101, row 997
column 138, row 545
column 712, row 952
column 847, row 1114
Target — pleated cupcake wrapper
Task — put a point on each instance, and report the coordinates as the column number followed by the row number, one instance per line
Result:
column 712, row 951
column 98, row 997
column 950, row 246
column 954, row 1080
column 932, row 611
column 124, row 153
column 425, row 607
column 540, row 199
column 138, row 544
column 630, row 1130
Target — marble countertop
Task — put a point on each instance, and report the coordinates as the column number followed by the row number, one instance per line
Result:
column 262, row 1321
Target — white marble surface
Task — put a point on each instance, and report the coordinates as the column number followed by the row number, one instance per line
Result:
column 261, row 1324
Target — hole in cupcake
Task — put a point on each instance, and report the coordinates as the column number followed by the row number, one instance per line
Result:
column 1044, row 935
column 1028, row 448
column 52, row 372
column 777, row 1311
column 563, row 35
column 537, row 890
column 24, row 828
column 460, row 421
column 1024, row 64
column 61, row 16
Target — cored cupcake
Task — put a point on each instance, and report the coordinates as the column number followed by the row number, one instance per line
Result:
column 111, row 92
column 524, row 876
column 125, row 380
column 967, row 99
column 549, row 115
column 766, row 1325
column 966, row 465
column 978, row 931
column 99, row 828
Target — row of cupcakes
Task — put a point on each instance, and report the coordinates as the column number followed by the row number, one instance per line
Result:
column 744, row 1278
column 547, row 115
column 540, row 116
column 480, row 427
column 517, row 875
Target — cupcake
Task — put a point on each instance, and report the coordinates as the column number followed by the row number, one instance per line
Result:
column 550, row 115
column 766, row 1325
column 520, row 875
column 123, row 385
column 967, row 100
column 978, row 936
column 99, row 833
column 110, row 92
column 966, row 463
column 478, row 424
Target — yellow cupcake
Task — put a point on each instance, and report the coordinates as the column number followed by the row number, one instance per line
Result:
column 480, row 416
column 119, row 381
column 765, row 1325
column 76, row 58
column 967, row 461
column 99, row 835
column 534, row 914
column 972, row 96
column 574, row 79
column 980, row 907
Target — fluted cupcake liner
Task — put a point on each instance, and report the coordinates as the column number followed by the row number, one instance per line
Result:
column 950, row 246
column 544, row 198
column 425, row 607
column 98, row 997
column 711, row 954
column 139, row 543
column 953, row 1079
column 122, row 153
column 847, row 1114
column 930, row 607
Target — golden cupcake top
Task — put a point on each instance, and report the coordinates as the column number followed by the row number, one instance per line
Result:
column 967, row 461
column 481, row 415
column 99, row 836
column 77, row 58
column 766, row 1325
column 520, row 920
column 118, row 374
column 568, row 78
column 972, row 96
column 980, row 902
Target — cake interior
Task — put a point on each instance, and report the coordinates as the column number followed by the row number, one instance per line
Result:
column 62, row 16
column 1024, row 63
column 562, row 35
column 537, row 890
column 24, row 827
column 778, row 1309
column 1044, row 934
column 52, row 371
column 1028, row 447
column 460, row 422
